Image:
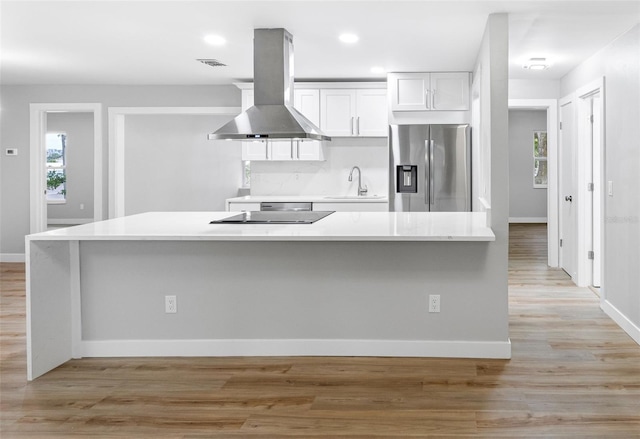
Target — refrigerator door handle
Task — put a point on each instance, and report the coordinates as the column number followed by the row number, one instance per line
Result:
column 427, row 173
column 432, row 195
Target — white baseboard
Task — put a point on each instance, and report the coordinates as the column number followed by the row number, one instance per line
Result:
column 278, row 348
column 69, row 221
column 12, row 257
column 623, row 321
column 524, row 220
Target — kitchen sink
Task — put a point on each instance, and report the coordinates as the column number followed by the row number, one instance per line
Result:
column 354, row 197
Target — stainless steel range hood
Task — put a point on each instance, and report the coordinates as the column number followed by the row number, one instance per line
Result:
column 273, row 115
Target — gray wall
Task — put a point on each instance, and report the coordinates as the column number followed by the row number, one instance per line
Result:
column 79, row 165
column 171, row 166
column 14, row 133
column 525, row 201
column 492, row 83
column 619, row 63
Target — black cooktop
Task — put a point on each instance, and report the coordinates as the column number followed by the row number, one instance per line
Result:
column 274, row 217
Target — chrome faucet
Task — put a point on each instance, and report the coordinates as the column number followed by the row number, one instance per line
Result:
column 361, row 190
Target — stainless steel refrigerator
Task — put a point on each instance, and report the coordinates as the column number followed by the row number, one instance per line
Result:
column 430, row 168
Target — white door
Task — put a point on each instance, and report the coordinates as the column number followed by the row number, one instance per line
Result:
column 371, row 105
column 567, row 191
column 338, row 112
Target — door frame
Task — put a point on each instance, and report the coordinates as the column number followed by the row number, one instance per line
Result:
column 584, row 176
column 37, row 151
column 553, row 212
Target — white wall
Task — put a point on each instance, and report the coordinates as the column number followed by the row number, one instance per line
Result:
column 329, row 177
column 14, row 133
column 79, row 165
column 525, row 201
column 619, row 63
column 171, row 166
column 534, row 89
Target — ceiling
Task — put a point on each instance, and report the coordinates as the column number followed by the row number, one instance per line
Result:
column 158, row 42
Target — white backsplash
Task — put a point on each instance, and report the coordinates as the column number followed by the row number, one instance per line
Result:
column 329, row 177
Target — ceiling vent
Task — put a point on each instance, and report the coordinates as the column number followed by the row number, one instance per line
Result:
column 212, row 62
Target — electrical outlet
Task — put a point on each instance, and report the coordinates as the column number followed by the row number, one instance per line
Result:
column 434, row 303
column 170, row 304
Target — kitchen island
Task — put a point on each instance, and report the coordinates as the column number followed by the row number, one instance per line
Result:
column 353, row 283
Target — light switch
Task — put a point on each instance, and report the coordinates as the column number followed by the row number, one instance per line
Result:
column 610, row 188
column 11, row 151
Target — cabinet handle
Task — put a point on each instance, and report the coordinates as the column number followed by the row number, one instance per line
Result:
column 433, row 99
column 297, row 150
column 427, row 99
column 267, row 147
column 352, row 125
column 358, row 125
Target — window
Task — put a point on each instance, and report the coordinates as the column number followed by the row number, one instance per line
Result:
column 540, row 159
column 56, row 167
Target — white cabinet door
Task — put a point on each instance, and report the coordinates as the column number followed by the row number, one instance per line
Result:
column 281, row 149
column 338, row 111
column 255, row 150
column 310, row 150
column 450, row 91
column 410, row 91
column 371, row 106
column 307, row 102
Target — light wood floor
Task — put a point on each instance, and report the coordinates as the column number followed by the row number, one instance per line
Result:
column 573, row 374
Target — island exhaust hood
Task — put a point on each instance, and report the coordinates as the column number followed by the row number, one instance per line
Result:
column 273, row 115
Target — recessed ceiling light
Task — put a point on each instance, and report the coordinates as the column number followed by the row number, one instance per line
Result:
column 215, row 40
column 349, row 38
column 378, row 70
column 537, row 64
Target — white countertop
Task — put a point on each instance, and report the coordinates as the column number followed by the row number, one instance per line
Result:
column 339, row 226
column 309, row 199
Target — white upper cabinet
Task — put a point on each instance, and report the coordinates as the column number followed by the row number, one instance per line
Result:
column 353, row 112
column 371, row 107
column 429, row 91
column 307, row 102
column 338, row 112
column 410, row 91
column 450, row 91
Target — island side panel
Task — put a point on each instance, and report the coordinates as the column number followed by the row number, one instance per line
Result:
column 50, row 278
column 313, row 291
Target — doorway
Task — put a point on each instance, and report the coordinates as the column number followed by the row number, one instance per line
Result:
column 69, row 166
column 551, row 108
column 582, row 186
column 39, row 115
